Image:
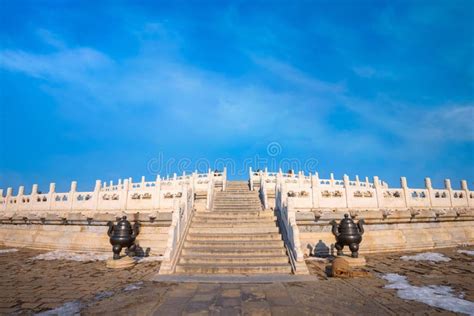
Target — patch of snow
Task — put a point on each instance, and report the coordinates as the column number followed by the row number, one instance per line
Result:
column 8, row 250
column 148, row 259
column 133, row 287
column 433, row 295
column 72, row 256
column 317, row 259
column 467, row 252
column 70, row 308
column 427, row 256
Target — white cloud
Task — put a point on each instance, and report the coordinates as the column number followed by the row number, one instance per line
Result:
column 297, row 77
column 67, row 64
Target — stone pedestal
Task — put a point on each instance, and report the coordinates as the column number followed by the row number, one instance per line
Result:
column 122, row 263
column 353, row 262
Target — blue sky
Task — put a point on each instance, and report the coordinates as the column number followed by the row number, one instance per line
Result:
column 98, row 91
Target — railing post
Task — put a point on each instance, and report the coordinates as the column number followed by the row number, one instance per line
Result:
column 314, row 189
column 466, row 192
column 429, row 188
column 72, row 194
column 404, row 185
column 378, row 191
column 19, row 197
column 345, row 179
column 447, row 185
column 224, row 179
column 52, row 189
column 124, row 194
column 250, row 179
column 8, row 197
column 4, row 200
column 157, row 195
column 97, row 187
column 357, row 181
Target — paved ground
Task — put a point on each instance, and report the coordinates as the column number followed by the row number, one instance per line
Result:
column 30, row 286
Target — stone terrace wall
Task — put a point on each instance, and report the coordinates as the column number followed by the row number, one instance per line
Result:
column 396, row 218
column 78, row 220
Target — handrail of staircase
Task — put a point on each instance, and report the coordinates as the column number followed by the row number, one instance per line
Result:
column 224, row 179
column 263, row 193
column 181, row 219
column 286, row 218
column 210, row 193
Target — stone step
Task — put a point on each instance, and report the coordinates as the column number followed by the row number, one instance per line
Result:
column 220, row 199
column 227, row 220
column 232, row 231
column 235, row 211
column 233, row 269
column 237, row 207
column 236, row 202
column 233, row 237
column 226, row 260
column 237, row 191
column 210, row 224
column 242, row 202
column 240, row 244
column 235, row 214
column 242, row 252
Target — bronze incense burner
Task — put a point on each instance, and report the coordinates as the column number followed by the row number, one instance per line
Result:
column 349, row 234
column 122, row 235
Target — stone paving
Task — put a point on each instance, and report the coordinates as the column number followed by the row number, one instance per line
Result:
column 28, row 287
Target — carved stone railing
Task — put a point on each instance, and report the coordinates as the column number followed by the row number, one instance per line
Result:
column 126, row 195
column 286, row 218
column 181, row 219
column 314, row 193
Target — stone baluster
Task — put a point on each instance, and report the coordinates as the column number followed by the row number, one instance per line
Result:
column 34, row 193
column 157, row 196
column 124, row 194
column 8, row 198
column 447, row 186
column 96, row 194
column 224, row 179
column 378, row 191
column 4, row 205
column 34, row 189
column 345, row 179
column 251, row 178
column 465, row 188
column 51, row 199
column 72, row 194
column 406, row 193
column 315, row 190
column 429, row 188
column 19, row 197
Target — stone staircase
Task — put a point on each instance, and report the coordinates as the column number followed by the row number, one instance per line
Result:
column 236, row 237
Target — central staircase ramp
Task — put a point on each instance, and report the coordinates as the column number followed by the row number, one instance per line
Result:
column 236, row 237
